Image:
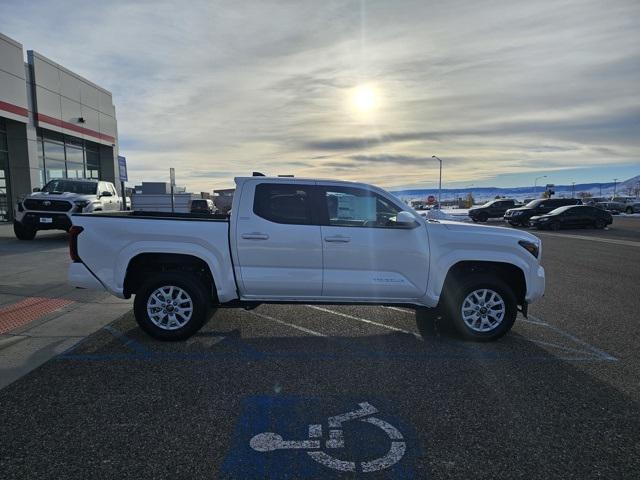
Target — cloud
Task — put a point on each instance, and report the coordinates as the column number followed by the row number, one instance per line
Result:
column 221, row 89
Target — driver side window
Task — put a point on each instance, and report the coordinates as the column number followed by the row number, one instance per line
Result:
column 355, row 207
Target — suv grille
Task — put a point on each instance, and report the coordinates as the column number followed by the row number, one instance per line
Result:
column 47, row 205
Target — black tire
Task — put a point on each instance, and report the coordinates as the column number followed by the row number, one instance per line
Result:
column 23, row 232
column 514, row 224
column 555, row 226
column 464, row 287
column 483, row 217
column 432, row 322
column 600, row 224
column 194, row 287
column 629, row 210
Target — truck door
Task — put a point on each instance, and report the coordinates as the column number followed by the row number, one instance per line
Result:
column 279, row 247
column 366, row 254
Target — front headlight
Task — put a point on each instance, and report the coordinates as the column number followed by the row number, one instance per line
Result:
column 544, row 219
column 531, row 247
column 81, row 203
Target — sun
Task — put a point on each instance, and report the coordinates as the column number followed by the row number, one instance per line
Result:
column 364, row 98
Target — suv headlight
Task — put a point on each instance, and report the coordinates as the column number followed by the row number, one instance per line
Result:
column 531, row 247
column 82, row 203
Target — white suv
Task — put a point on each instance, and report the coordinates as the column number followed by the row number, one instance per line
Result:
column 51, row 208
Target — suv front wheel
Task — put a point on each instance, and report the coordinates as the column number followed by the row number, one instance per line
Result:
column 481, row 307
column 23, row 232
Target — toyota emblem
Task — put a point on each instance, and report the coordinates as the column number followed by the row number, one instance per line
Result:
column 46, row 203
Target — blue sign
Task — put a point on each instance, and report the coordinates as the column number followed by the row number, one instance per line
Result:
column 122, row 167
column 288, row 437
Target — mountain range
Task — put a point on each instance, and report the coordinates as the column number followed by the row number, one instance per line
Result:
column 630, row 187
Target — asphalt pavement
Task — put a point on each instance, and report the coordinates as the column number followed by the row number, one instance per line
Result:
column 289, row 392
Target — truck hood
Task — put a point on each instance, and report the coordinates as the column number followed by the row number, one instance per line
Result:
column 59, row 196
column 485, row 230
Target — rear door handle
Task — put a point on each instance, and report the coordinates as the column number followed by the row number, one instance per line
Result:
column 338, row 239
column 255, row 236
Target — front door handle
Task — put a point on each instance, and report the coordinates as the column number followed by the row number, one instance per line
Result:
column 338, row 239
column 255, row 236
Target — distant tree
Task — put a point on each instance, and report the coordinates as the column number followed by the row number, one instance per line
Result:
column 470, row 200
column 585, row 194
column 546, row 194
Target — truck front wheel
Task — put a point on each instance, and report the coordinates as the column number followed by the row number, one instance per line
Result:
column 23, row 232
column 172, row 305
column 482, row 308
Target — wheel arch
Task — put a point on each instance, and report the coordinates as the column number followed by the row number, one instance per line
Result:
column 512, row 275
column 147, row 263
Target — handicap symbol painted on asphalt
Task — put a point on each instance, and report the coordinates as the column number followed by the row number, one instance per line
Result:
column 268, row 441
column 284, row 437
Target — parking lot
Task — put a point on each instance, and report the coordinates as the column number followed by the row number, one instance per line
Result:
column 556, row 398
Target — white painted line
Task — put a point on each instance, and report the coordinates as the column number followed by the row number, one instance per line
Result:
column 282, row 322
column 562, row 347
column 596, row 351
column 403, row 310
column 613, row 241
column 371, row 322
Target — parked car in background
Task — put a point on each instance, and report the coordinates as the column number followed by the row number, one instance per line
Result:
column 492, row 209
column 203, row 205
column 520, row 216
column 574, row 216
column 628, row 203
column 633, row 208
column 51, row 208
column 612, row 207
column 593, row 200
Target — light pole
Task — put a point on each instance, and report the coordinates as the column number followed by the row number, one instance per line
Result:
column 535, row 184
column 615, row 184
column 439, row 182
column 573, row 189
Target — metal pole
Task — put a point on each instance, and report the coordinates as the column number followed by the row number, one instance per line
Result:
column 615, row 184
column 173, row 208
column 535, row 185
column 124, row 196
column 439, row 183
column 573, row 189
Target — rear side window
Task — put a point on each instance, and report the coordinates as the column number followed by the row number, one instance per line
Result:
column 283, row 203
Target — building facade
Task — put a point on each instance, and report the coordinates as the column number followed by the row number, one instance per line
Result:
column 53, row 124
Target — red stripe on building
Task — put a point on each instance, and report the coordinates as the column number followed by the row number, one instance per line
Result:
column 27, row 310
column 11, row 108
column 70, row 126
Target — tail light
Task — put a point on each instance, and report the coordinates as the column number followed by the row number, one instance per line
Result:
column 74, row 231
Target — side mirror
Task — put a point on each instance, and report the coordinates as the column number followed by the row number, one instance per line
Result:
column 36, row 190
column 405, row 218
column 106, row 194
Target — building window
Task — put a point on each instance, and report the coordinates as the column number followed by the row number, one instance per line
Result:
column 61, row 156
column 5, row 193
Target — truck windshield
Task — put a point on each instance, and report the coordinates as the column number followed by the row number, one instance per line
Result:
column 62, row 186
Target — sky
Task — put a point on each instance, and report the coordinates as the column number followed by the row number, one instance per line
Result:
column 501, row 91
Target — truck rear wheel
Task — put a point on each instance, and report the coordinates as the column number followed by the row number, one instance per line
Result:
column 23, row 232
column 482, row 308
column 172, row 306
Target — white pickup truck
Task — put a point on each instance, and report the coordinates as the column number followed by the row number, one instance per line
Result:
column 51, row 208
column 290, row 240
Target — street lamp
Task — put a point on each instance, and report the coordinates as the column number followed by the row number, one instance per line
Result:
column 440, row 182
column 573, row 189
column 615, row 183
column 535, row 184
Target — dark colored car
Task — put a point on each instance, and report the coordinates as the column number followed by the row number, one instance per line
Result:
column 521, row 215
column 202, row 206
column 492, row 209
column 613, row 208
column 576, row 216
